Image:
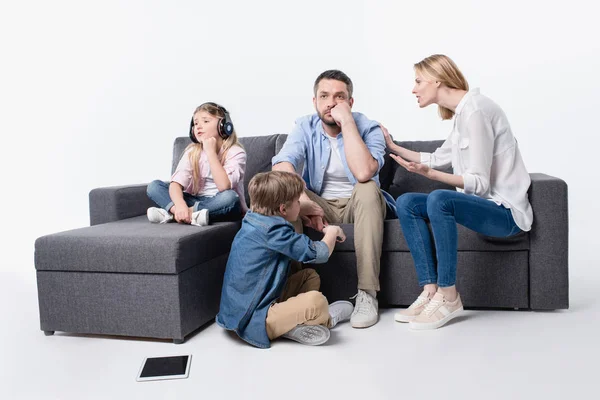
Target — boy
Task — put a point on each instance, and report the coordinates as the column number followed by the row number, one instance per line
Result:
column 259, row 301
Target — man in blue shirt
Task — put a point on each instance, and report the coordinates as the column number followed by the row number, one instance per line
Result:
column 342, row 153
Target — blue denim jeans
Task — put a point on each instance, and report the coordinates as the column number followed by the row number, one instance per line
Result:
column 444, row 209
column 224, row 205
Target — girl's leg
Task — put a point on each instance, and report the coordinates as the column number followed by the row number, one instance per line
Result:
column 446, row 208
column 158, row 192
column 412, row 213
column 224, row 205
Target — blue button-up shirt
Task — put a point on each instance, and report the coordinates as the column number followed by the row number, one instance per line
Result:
column 257, row 270
column 308, row 144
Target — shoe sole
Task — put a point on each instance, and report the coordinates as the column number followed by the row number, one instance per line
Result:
column 403, row 318
column 422, row 326
column 322, row 330
column 361, row 325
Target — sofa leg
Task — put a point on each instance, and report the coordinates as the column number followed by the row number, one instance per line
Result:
column 178, row 341
column 48, row 333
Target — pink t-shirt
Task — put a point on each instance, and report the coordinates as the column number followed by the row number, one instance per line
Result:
column 235, row 167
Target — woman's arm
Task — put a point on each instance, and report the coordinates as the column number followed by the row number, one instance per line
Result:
column 409, row 155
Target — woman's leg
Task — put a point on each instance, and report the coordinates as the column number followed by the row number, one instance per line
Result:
column 412, row 213
column 445, row 209
column 224, row 205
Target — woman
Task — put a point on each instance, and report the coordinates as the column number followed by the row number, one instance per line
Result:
column 491, row 181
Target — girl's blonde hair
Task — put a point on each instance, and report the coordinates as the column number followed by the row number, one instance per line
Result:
column 195, row 149
column 443, row 70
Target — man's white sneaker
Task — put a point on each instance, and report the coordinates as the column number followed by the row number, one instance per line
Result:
column 311, row 335
column 158, row 215
column 200, row 218
column 365, row 310
column 340, row 311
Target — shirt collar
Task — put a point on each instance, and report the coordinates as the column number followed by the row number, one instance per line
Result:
column 463, row 101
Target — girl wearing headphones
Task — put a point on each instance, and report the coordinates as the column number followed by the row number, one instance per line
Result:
column 208, row 183
column 491, row 187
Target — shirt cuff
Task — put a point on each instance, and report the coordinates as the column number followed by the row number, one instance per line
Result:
column 322, row 252
column 469, row 181
column 426, row 159
column 281, row 158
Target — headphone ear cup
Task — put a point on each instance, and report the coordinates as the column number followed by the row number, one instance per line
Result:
column 192, row 136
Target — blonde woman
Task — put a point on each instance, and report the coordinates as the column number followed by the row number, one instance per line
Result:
column 209, row 180
column 491, row 187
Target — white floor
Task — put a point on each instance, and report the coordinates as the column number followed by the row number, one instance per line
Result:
column 484, row 355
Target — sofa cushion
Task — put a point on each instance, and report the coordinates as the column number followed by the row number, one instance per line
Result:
column 468, row 240
column 134, row 245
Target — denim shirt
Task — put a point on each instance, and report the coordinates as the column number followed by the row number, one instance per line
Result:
column 257, row 270
column 308, row 144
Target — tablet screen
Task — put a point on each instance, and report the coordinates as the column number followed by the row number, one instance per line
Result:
column 165, row 368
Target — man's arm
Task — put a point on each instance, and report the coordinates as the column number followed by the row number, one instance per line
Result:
column 360, row 160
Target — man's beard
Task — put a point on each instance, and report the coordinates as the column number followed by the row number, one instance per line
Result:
column 326, row 122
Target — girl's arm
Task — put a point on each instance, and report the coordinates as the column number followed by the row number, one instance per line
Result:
column 180, row 210
column 218, row 172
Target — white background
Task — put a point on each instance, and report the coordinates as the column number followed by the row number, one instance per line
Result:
column 93, row 94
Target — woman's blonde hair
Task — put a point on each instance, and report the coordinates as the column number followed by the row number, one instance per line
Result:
column 195, row 149
column 268, row 190
column 443, row 70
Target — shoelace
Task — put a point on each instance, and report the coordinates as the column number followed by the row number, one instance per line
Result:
column 419, row 302
column 363, row 303
column 432, row 306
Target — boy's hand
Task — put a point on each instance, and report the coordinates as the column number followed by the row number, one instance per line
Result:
column 339, row 233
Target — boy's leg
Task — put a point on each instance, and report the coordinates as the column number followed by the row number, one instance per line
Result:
column 302, row 281
column 308, row 308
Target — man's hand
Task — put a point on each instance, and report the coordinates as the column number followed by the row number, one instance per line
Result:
column 341, row 113
column 209, row 145
column 415, row 167
column 183, row 214
column 309, row 207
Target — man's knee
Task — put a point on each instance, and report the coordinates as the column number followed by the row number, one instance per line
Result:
column 368, row 192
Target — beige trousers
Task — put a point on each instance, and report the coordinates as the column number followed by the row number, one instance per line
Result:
column 300, row 303
column 366, row 209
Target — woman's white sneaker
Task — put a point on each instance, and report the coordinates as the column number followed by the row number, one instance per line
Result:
column 415, row 308
column 437, row 313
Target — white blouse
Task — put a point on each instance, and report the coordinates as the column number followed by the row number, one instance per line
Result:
column 482, row 149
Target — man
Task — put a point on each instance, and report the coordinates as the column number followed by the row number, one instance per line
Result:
column 342, row 154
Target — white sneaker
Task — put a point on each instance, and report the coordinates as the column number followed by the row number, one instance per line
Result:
column 158, row 215
column 200, row 218
column 365, row 311
column 340, row 311
column 311, row 335
column 415, row 308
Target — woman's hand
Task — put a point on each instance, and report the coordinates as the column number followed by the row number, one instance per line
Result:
column 388, row 138
column 415, row 167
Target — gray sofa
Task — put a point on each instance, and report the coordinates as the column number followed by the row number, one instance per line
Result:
column 126, row 276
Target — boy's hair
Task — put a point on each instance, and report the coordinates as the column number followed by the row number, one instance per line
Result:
column 268, row 190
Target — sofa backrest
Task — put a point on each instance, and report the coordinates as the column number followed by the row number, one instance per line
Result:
column 394, row 179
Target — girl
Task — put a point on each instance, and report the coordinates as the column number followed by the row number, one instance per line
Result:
column 490, row 178
column 209, row 180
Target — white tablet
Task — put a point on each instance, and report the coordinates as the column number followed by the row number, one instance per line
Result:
column 160, row 368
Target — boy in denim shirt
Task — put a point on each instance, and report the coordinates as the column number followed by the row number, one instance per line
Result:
column 258, row 300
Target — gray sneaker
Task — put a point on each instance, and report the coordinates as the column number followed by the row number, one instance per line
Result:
column 340, row 311
column 365, row 310
column 158, row 215
column 311, row 335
